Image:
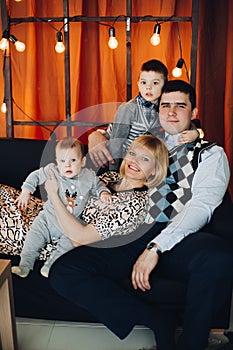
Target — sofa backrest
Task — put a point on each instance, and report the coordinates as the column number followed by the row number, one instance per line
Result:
column 221, row 223
column 20, row 157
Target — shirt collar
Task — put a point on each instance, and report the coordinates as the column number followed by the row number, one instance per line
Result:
column 146, row 103
column 171, row 140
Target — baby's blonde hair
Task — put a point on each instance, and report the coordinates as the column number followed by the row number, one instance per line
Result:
column 71, row 142
column 158, row 148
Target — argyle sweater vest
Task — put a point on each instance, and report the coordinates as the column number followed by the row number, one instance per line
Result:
column 168, row 199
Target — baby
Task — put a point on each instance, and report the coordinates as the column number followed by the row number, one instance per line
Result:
column 76, row 183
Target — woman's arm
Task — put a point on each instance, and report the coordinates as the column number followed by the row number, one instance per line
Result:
column 73, row 229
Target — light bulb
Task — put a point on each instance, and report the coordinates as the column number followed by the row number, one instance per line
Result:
column 20, row 47
column 4, row 44
column 18, row 44
column 18, row 0
column 112, row 42
column 3, row 107
column 155, row 39
column 177, row 71
column 59, row 47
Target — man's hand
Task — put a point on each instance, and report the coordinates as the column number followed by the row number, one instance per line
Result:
column 142, row 269
column 98, row 150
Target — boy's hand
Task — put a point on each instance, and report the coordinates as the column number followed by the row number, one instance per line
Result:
column 106, row 197
column 98, row 150
column 188, row 136
column 23, row 199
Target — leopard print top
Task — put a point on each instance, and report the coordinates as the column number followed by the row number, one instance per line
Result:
column 124, row 215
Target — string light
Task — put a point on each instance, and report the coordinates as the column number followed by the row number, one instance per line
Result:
column 19, row 45
column 177, row 71
column 112, row 42
column 4, row 44
column 3, row 107
column 155, row 39
column 59, row 47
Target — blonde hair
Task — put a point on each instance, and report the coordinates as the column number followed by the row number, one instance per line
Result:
column 158, row 148
column 70, row 142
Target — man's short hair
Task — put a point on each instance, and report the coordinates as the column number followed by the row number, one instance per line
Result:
column 182, row 86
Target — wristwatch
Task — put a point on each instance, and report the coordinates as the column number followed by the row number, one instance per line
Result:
column 201, row 133
column 153, row 246
column 102, row 131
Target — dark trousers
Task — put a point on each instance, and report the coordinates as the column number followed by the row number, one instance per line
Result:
column 92, row 278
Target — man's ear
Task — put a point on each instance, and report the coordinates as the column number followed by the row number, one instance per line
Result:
column 83, row 163
column 194, row 113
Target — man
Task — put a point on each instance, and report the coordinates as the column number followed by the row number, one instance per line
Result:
column 197, row 180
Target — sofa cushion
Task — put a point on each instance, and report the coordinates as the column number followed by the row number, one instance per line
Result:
column 15, row 223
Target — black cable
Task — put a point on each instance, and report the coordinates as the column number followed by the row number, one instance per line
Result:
column 32, row 119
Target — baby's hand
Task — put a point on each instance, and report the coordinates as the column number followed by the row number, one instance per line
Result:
column 106, row 197
column 188, row 136
column 23, row 200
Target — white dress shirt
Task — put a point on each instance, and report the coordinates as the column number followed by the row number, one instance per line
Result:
column 208, row 188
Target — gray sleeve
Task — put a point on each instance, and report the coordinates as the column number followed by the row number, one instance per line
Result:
column 97, row 185
column 120, row 129
column 36, row 178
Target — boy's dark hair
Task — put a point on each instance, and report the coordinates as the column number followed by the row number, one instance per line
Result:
column 182, row 86
column 156, row 66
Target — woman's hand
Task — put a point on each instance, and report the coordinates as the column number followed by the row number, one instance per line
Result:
column 51, row 185
column 142, row 269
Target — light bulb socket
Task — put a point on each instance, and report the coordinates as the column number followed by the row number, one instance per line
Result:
column 111, row 32
column 13, row 39
column 157, row 29
column 6, row 34
column 59, row 37
column 180, row 63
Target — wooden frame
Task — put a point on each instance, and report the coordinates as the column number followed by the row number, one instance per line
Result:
column 127, row 19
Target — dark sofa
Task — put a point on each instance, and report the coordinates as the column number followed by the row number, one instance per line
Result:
column 33, row 295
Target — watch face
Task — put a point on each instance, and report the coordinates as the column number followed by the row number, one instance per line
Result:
column 150, row 245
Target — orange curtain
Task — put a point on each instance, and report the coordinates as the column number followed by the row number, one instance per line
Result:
column 98, row 74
